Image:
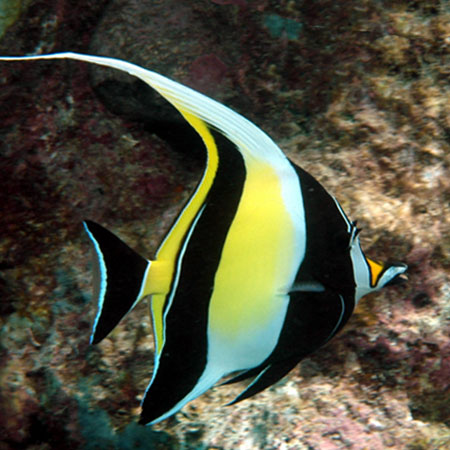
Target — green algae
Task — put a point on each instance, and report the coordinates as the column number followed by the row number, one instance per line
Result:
column 96, row 428
column 279, row 26
column 99, row 434
column 10, row 11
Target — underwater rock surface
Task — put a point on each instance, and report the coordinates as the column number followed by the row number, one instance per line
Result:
column 356, row 92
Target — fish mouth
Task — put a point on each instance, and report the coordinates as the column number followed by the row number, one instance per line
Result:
column 401, row 277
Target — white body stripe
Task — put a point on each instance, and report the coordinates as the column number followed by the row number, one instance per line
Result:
column 361, row 271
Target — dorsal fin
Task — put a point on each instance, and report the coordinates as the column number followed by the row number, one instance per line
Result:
column 250, row 139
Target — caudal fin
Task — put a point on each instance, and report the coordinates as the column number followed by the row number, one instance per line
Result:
column 120, row 279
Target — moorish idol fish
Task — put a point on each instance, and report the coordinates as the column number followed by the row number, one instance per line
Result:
column 261, row 267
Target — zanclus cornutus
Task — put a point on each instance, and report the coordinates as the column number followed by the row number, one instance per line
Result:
column 261, row 267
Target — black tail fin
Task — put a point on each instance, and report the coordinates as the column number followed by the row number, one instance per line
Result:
column 119, row 279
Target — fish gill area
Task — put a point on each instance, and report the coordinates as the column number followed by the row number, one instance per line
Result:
column 357, row 92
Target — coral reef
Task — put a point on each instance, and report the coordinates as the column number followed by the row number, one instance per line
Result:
column 356, row 92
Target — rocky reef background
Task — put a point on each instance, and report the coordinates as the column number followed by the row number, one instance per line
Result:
column 357, row 92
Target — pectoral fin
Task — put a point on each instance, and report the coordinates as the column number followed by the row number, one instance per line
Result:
column 307, row 286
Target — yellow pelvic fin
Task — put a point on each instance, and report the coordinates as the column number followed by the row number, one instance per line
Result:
column 158, row 279
column 157, row 284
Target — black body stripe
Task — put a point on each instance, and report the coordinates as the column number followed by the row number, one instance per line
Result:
column 183, row 357
column 312, row 316
column 327, row 257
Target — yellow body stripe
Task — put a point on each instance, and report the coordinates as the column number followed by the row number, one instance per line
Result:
column 256, row 264
column 166, row 256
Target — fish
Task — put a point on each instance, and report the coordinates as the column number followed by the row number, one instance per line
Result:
column 261, row 267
